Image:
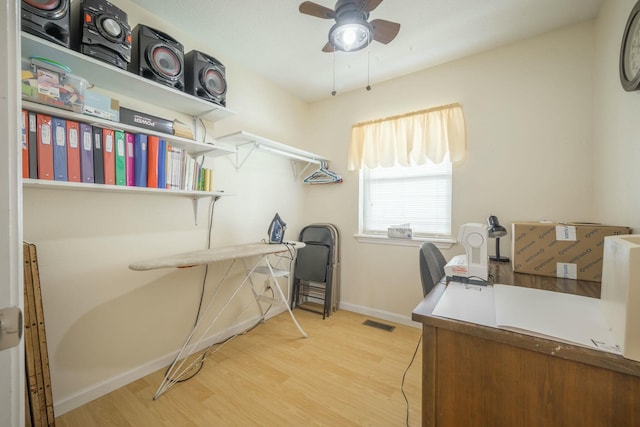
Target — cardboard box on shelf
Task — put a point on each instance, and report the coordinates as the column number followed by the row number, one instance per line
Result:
column 568, row 250
column 182, row 129
column 99, row 105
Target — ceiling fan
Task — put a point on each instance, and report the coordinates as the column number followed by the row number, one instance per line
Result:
column 352, row 31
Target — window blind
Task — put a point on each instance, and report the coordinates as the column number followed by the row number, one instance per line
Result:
column 419, row 195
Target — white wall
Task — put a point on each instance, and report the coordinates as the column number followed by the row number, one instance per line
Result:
column 616, row 125
column 105, row 323
column 528, row 108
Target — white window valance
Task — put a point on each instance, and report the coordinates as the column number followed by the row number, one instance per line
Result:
column 426, row 134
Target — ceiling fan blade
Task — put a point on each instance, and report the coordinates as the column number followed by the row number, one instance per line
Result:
column 328, row 47
column 314, row 9
column 367, row 5
column 384, row 31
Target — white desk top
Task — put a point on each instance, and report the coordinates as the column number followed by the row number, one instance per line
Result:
column 206, row 256
column 570, row 318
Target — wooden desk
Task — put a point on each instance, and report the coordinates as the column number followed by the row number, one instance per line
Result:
column 475, row 375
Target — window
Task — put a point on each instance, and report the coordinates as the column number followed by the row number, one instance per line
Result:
column 405, row 163
column 419, row 195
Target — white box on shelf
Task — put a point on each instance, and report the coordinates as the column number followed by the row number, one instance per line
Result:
column 402, row 231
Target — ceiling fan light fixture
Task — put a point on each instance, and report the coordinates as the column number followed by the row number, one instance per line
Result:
column 350, row 36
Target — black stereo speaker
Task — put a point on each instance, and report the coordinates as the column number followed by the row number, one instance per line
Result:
column 101, row 30
column 157, row 56
column 47, row 19
column 205, row 77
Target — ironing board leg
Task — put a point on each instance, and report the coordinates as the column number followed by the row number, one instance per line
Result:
column 177, row 370
column 283, row 299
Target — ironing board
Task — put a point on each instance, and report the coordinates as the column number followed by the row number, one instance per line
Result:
column 180, row 367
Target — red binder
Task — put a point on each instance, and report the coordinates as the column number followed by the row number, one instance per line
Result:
column 25, row 144
column 153, row 143
column 108, row 145
column 73, row 151
column 45, row 149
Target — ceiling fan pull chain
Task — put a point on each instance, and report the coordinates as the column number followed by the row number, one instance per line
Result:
column 333, row 92
column 369, row 66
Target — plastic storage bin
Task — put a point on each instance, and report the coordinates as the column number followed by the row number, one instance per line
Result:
column 47, row 82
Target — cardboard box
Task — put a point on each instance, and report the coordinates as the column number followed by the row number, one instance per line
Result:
column 568, row 250
column 146, row 121
column 98, row 105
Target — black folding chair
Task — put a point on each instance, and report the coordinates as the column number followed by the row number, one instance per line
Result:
column 313, row 272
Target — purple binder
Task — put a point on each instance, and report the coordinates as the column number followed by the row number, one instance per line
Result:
column 86, row 153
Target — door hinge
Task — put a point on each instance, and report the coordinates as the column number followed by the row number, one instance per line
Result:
column 10, row 327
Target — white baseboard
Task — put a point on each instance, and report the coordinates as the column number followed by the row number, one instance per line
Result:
column 97, row 390
column 380, row 314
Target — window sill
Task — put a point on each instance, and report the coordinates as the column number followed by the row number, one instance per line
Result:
column 442, row 243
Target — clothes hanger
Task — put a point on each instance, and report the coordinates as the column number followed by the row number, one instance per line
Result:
column 323, row 176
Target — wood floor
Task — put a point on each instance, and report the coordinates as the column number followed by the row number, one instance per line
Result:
column 344, row 374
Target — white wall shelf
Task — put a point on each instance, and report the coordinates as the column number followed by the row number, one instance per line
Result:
column 195, row 148
column 81, row 186
column 114, row 79
column 250, row 142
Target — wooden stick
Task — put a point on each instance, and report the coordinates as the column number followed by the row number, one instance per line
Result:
column 42, row 337
column 32, row 349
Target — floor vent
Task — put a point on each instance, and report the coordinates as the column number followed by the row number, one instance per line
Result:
column 379, row 325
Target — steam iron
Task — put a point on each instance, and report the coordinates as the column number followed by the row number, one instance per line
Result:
column 276, row 230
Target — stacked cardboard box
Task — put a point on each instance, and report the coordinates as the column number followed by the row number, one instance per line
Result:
column 569, row 250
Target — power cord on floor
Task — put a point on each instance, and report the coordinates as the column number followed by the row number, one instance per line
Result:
column 405, row 374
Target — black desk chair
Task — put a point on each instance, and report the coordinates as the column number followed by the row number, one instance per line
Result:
column 432, row 264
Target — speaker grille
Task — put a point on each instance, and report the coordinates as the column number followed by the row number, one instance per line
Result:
column 213, row 82
column 47, row 5
column 47, row 19
column 165, row 61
